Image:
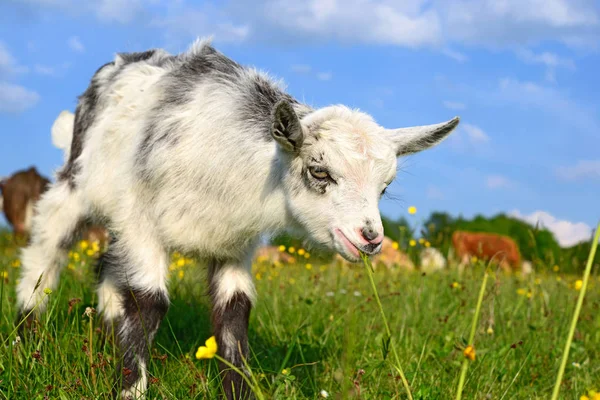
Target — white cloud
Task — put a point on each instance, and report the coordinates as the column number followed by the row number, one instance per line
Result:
column 584, row 169
column 122, row 11
column 547, row 99
column 517, row 22
column 454, row 105
column 475, row 133
column 324, row 76
column 301, row 68
column 498, row 182
column 44, row 70
column 455, row 55
column 15, row 99
column 75, row 44
column 545, row 58
column 8, row 63
column 436, row 24
column 567, row 233
column 550, row 60
column 407, row 24
column 469, row 138
column 192, row 23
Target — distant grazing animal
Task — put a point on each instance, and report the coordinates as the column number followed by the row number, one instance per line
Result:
column 391, row 257
column 432, row 260
column 196, row 153
column 272, row 254
column 486, row 246
column 20, row 192
column 526, row 267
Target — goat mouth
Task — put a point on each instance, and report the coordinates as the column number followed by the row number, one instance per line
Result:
column 354, row 249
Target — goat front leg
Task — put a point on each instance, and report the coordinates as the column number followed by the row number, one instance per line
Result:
column 233, row 293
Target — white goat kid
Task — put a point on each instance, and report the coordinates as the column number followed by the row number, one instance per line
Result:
column 195, row 152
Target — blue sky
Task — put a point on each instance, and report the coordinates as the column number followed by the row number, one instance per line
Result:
column 522, row 74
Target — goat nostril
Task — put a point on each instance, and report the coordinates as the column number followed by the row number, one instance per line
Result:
column 369, row 233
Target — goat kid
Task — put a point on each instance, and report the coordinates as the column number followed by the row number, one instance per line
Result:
column 197, row 153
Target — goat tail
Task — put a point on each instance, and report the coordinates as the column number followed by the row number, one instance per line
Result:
column 62, row 131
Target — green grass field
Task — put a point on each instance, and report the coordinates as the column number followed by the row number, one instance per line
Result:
column 317, row 328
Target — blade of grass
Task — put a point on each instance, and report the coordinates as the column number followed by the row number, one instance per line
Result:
column 398, row 366
column 586, row 277
column 465, row 365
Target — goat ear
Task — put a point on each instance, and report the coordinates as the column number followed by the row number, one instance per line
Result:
column 418, row 138
column 285, row 126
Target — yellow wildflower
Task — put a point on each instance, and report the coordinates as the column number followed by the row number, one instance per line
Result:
column 16, row 263
column 584, row 397
column 412, row 210
column 4, row 274
column 578, row 284
column 285, row 371
column 181, row 262
column 291, row 250
column 529, row 295
column 558, row 279
column 395, row 245
column 90, row 252
column 309, row 266
column 282, row 248
column 421, row 240
column 76, row 257
column 180, row 274
column 307, row 255
column 208, row 350
column 48, row 291
column 258, row 276
column 469, row 352
column 521, row 292
column 71, row 266
column 473, row 259
column 412, row 243
column 455, row 285
column 427, row 244
column 96, row 246
column 555, row 268
column 490, row 330
column 301, row 252
column 84, row 244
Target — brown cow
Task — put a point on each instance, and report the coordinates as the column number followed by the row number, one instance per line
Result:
column 486, row 246
column 20, row 192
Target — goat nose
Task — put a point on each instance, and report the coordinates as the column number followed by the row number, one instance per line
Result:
column 370, row 234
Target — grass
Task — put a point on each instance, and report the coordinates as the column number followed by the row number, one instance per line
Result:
column 319, row 327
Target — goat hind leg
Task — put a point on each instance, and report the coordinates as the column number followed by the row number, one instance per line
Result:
column 53, row 230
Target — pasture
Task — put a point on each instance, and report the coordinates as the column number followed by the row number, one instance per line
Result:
column 316, row 331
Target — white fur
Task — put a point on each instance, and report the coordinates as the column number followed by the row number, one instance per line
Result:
column 110, row 301
column 215, row 189
column 231, row 279
column 62, row 132
column 28, row 215
column 432, row 260
column 138, row 390
column 58, row 212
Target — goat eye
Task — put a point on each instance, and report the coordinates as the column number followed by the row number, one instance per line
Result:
column 318, row 173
